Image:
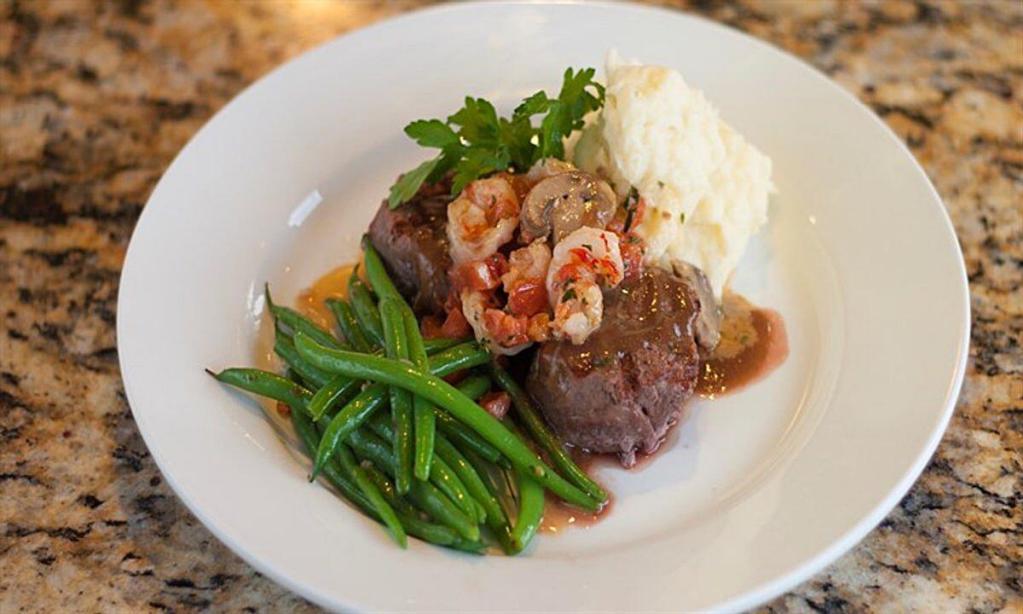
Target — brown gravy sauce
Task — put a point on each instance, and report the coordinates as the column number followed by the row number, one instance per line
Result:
column 558, row 516
column 333, row 284
column 753, row 344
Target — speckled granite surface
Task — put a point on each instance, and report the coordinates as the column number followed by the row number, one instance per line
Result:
column 95, row 100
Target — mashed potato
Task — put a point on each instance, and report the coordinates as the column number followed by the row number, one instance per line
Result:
column 705, row 187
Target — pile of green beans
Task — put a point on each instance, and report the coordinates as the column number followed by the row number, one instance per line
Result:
column 371, row 408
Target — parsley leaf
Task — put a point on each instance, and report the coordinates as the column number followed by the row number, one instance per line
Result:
column 566, row 113
column 474, row 141
column 477, row 122
column 477, row 162
column 408, row 184
column 432, row 133
column 537, row 103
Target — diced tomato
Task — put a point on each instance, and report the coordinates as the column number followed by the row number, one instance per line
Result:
column 431, row 326
column 506, row 329
column 453, row 300
column 498, row 264
column 528, row 297
column 481, row 274
column 283, row 410
column 455, row 326
column 497, row 403
column 456, row 377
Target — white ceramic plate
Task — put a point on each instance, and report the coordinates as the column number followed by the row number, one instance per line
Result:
column 758, row 491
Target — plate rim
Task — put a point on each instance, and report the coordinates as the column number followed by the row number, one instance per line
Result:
column 755, row 594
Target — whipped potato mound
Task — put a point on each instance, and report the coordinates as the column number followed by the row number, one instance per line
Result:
column 705, row 187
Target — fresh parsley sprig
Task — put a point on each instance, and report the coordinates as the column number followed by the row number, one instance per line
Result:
column 475, row 141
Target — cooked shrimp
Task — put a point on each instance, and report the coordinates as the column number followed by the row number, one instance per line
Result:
column 525, row 279
column 527, row 263
column 501, row 332
column 582, row 262
column 482, row 219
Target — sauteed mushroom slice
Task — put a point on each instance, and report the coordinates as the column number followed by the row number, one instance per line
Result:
column 708, row 323
column 565, row 202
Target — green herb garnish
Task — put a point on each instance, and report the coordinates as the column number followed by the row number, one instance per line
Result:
column 474, row 141
column 631, row 203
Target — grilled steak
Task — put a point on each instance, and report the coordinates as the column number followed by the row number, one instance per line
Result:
column 413, row 245
column 621, row 389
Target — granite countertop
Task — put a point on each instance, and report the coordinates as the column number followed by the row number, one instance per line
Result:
column 96, row 99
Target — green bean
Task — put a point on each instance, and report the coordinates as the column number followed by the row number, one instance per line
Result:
column 310, row 439
column 531, row 502
column 456, row 490
column 266, row 384
column 383, row 509
column 442, row 476
column 298, row 322
column 285, row 348
column 466, row 437
column 345, row 421
column 416, row 347
column 531, row 506
column 495, row 517
column 437, row 345
column 338, row 390
column 431, row 532
column 473, row 387
column 456, row 354
column 458, row 358
column 425, row 420
column 410, row 515
column 425, row 412
column 436, row 390
column 496, row 480
column 442, row 510
column 542, row 435
column 424, row 494
column 414, row 525
column 365, row 309
column 377, row 272
column 443, row 363
column 387, row 489
column 348, row 324
column 470, row 547
column 396, row 347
